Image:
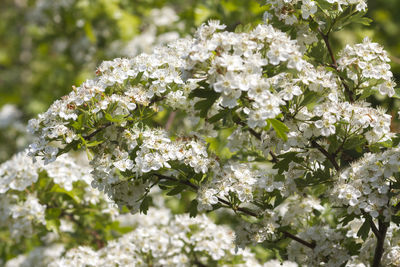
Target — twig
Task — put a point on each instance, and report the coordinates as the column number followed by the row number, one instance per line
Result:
column 325, row 37
column 274, row 157
column 380, row 240
column 171, row 118
column 258, row 136
column 108, row 124
column 330, row 157
column 101, row 128
column 301, row 241
column 243, row 210
column 372, row 224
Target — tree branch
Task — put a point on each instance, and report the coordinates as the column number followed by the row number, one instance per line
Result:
column 330, row 157
column 374, row 229
column 243, row 210
column 380, row 241
column 301, row 241
column 325, row 37
column 101, row 128
column 170, row 121
column 371, row 223
column 258, row 136
column 108, row 124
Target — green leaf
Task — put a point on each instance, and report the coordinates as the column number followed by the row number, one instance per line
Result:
column 53, row 225
column 309, row 97
column 387, row 144
column 323, row 4
column 94, row 143
column 176, row 190
column 396, row 220
column 333, row 143
column 347, row 17
column 203, row 93
column 53, row 213
column 239, row 28
column 314, row 26
column 205, row 105
column 396, row 93
column 366, row 93
column 144, row 206
column 224, row 113
column 71, row 194
column 78, row 124
column 137, row 78
column 117, row 119
column 193, row 208
column 280, row 128
column 364, row 230
column 285, row 159
column 169, row 183
column 352, row 247
column 354, row 142
column 90, row 33
column 364, row 21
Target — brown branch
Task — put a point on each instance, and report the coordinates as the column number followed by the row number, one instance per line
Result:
column 380, row 241
column 101, row 128
column 374, row 229
column 258, row 136
column 301, row 241
column 274, row 157
column 380, row 238
column 185, row 182
column 97, row 238
column 171, row 118
column 330, row 157
column 325, row 37
column 371, row 223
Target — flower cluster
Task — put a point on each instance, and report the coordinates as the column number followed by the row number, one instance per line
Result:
column 236, row 64
column 153, row 150
column 22, row 212
column 40, row 256
column 20, row 215
column 393, row 256
column 355, row 118
column 240, row 179
column 160, row 70
column 328, row 250
column 293, row 11
column 364, row 186
column 367, row 65
column 161, row 239
column 296, row 213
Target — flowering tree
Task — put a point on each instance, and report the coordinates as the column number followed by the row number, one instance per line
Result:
column 76, row 213
column 307, row 158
